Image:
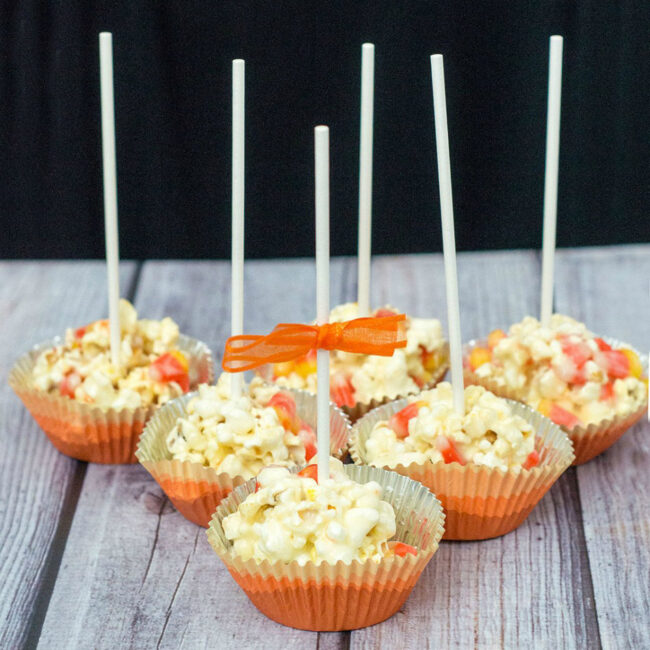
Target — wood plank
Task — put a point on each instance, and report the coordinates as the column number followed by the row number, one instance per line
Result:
column 530, row 588
column 416, row 283
column 38, row 486
column 135, row 573
column 608, row 289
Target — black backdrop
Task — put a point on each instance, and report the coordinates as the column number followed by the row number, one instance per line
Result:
column 172, row 85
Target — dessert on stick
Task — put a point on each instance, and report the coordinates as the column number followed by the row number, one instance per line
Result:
column 358, row 382
column 594, row 388
column 239, row 436
column 93, row 391
column 201, row 447
column 429, row 429
column 150, row 367
column 364, row 539
column 489, row 460
column 489, row 467
column 315, row 550
column 339, row 519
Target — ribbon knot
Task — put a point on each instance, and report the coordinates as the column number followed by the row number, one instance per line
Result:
column 288, row 341
column 329, row 335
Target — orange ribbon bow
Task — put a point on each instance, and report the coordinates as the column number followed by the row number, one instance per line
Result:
column 289, row 341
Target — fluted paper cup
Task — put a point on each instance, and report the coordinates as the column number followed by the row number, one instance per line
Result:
column 588, row 441
column 196, row 490
column 480, row 502
column 90, row 432
column 331, row 597
column 361, row 408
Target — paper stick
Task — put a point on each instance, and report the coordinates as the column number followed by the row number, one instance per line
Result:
column 322, row 177
column 110, row 192
column 551, row 174
column 365, row 176
column 448, row 238
column 237, row 264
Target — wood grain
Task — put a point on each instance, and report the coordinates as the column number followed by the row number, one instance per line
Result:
column 135, row 573
column 529, row 588
column 609, row 290
column 38, row 485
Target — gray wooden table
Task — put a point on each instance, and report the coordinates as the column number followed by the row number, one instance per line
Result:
column 95, row 556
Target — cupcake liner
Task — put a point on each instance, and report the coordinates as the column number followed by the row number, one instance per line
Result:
column 480, row 502
column 332, row 597
column 196, row 490
column 588, row 441
column 89, row 432
column 361, row 408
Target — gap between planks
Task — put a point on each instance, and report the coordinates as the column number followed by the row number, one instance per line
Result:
column 550, row 609
column 570, row 483
column 124, row 609
column 570, row 479
column 39, row 299
column 609, row 291
column 55, row 554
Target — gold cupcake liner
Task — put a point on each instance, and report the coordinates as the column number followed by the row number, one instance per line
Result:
column 332, row 597
column 480, row 502
column 89, row 432
column 361, row 408
column 196, row 490
column 588, row 441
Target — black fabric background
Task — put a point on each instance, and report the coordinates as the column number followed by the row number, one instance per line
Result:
column 172, row 85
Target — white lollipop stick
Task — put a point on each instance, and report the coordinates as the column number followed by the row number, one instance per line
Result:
column 322, row 166
column 237, row 264
column 550, row 180
column 365, row 176
column 110, row 192
column 448, row 238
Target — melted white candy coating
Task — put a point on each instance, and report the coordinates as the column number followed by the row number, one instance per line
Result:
column 376, row 377
column 533, row 364
column 488, row 434
column 87, row 360
column 238, row 437
column 293, row 518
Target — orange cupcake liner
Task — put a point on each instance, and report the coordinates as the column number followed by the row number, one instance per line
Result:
column 480, row 502
column 91, row 433
column 318, row 607
column 93, row 437
column 477, row 518
column 333, row 597
column 196, row 490
column 588, row 441
column 591, row 441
